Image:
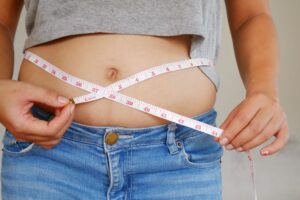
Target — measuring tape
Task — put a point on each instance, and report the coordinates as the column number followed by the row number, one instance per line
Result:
column 111, row 92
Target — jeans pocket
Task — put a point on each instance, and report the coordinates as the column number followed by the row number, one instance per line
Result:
column 200, row 151
column 12, row 147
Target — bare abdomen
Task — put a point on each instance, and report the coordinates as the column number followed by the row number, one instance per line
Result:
column 104, row 58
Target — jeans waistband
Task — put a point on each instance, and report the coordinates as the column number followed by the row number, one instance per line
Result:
column 127, row 136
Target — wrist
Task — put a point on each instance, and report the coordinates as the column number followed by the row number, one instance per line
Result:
column 271, row 93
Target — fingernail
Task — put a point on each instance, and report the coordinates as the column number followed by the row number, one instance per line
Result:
column 72, row 106
column 239, row 149
column 229, row 147
column 264, row 153
column 224, row 141
column 62, row 100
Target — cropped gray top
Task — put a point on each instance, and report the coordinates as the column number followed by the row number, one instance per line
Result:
column 47, row 20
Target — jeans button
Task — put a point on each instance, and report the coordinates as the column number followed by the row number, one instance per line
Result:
column 111, row 138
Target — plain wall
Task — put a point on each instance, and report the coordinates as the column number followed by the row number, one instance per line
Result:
column 277, row 176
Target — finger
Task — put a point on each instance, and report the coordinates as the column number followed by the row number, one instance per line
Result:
column 281, row 140
column 242, row 118
column 28, row 137
column 254, row 128
column 32, row 138
column 226, row 121
column 272, row 127
column 50, row 143
column 64, row 117
column 45, row 96
column 39, row 138
column 65, row 127
column 41, row 127
column 229, row 118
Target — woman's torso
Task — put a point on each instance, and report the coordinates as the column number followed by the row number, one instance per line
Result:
column 104, row 58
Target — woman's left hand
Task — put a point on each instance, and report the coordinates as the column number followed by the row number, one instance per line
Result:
column 252, row 122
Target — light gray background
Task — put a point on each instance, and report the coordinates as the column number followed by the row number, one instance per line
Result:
column 277, row 176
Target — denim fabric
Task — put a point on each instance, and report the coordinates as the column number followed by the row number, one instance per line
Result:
column 162, row 162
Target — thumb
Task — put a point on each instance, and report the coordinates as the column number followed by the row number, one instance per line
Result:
column 46, row 96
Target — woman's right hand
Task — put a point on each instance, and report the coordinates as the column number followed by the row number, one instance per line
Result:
column 16, row 100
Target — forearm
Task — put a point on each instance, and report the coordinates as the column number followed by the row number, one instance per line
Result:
column 6, row 54
column 256, row 50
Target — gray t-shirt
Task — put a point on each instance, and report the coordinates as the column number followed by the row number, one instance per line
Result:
column 47, row 20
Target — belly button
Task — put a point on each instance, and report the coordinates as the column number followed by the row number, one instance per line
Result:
column 112, row 73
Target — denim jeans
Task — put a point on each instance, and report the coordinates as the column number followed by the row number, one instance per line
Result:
column 162, row 162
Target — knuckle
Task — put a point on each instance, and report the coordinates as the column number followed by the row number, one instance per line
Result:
column 48, row 132
column 51, row 132
column 50, row 144
column 231, row 137
column 264, row 137
column 57, row 141
column 47, row 146
column 286, row 139
column 57, row 135
column 53, row 142
column 18, row 126
column 274, row 104
column 242, row 118
column 255, row 127
column 235, row 144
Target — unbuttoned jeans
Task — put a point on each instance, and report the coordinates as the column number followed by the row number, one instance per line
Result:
column 163, row 162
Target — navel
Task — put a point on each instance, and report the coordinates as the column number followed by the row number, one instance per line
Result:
column 112, row 73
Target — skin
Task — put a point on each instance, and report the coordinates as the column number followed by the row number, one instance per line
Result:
column 255, row 120
column 259, row 116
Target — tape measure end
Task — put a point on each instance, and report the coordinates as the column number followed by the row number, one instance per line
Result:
column 71, row 101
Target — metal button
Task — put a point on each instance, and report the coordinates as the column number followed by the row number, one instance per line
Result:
column 111, row 138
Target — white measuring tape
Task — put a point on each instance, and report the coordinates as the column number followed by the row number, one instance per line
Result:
column 111, row 92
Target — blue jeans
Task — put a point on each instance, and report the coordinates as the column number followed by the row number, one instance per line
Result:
column 160, row 162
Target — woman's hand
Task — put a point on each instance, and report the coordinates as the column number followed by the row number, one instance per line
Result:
column 251, row 123
column 17, row 99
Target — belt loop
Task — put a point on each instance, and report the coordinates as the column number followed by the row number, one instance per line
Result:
column 170, row 141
